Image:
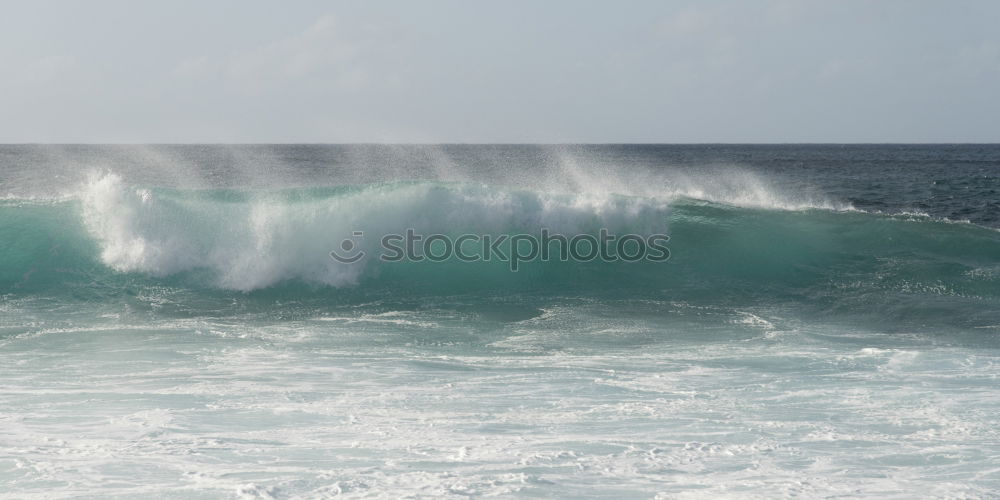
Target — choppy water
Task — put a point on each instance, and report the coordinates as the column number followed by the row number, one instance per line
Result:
column 171, row 323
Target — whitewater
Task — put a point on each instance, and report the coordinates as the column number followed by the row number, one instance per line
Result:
column 172, row 323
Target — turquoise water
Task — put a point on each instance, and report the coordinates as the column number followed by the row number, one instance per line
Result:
column 171, row 324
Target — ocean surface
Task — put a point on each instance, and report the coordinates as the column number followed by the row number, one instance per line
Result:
column 172, row 323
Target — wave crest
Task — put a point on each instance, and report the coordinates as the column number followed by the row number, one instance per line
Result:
column 254, row 240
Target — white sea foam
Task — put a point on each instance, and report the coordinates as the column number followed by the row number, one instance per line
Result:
column 270, row 419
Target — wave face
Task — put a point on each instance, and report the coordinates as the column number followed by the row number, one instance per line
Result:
column 896, row 266
column 251, row 240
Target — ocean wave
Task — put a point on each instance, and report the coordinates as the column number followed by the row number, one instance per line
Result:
column 753, row 241
column 254, row 240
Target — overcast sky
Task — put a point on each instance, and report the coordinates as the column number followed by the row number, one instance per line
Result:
column 470, row 71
